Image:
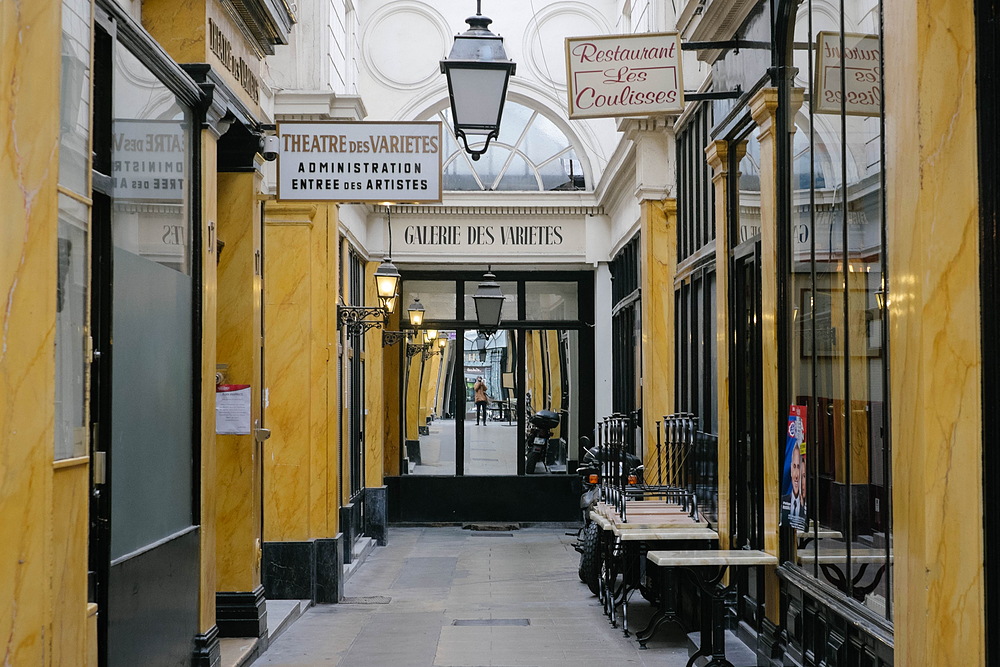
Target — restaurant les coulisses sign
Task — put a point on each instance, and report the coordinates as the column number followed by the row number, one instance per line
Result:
column 624, row 75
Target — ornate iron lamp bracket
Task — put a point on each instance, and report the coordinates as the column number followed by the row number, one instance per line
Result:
column 390, row 338
column 360, row 319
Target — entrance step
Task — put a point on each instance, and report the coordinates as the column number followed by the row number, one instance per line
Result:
column 737, row 652
column 281, row 614
column 238, row 651
column 362, row 547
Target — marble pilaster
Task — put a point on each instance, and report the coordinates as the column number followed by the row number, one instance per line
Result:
column 209, row 305
column 29, row 66
column 375, row 409
column 658, row 258
column 717, row 155
column 238, row 466
column 763, row 108
column 934, row 329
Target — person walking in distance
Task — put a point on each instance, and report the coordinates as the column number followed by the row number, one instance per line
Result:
column 482, row 400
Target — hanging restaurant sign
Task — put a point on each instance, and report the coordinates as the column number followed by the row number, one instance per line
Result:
column 359, row 162
column 624, row 75
column 862, row 75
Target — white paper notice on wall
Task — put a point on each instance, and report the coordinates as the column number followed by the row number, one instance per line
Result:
column 861, row 74
column 360, row 162
column 612, row 76
column 232, row 409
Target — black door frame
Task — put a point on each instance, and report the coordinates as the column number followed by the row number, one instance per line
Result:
column 114, row 28
column 462, row 323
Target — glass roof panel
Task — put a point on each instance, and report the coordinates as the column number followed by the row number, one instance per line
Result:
column 519, row 176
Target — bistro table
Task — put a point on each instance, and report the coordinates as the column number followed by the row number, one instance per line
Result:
column 713, row 594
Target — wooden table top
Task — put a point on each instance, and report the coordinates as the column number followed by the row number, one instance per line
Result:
column 710, row 557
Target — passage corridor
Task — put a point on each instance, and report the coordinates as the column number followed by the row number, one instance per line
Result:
column 460, row 599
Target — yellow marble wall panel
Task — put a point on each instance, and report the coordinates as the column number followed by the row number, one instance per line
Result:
column 391, row 383
column 287, row 370
column 555, row 376
column 374, row 405
column 344, row 461
column 238, row 463
column 412, row 397
column 29, row 68
column 70, row 500
column 91, row 659
column 936, row 364
column 321, row 360
column 717, row 154
column 329, row 214
column 180, row 26
column 209, row 304
column 658, row 261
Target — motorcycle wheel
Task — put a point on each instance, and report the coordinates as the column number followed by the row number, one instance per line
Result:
column 531, row 462
column 590, row 559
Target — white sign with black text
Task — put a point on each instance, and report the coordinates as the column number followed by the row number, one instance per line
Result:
column 360, row 162
column 624, row 75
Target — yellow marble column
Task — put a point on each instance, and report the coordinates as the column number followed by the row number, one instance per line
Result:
column 209, row 304
column 934, row 305
column 717, row 155
column 374, row 403
column 29, row 166
column 414, row 365
column 763, row 107
column 301, row 457
column 658, row 259
column 238, row 461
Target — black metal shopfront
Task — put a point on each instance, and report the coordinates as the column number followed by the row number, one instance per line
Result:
column 539, row 359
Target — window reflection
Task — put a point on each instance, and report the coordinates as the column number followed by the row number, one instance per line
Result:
column 837, row 355
column 150, row 166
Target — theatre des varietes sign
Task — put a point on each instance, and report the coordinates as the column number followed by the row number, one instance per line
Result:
column 624, row 75
column 360, row 162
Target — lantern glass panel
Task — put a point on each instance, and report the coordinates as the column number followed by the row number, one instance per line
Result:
column 488, row 311
column 478, row 97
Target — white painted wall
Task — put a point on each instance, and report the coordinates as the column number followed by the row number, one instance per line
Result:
column 602, row 341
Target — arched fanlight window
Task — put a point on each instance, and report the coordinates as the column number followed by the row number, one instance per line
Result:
column 531, row 154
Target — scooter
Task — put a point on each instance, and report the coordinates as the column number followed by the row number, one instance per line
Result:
column 543, row 423
column 590, row 469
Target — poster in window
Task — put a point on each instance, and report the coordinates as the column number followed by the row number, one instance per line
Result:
column 793, row 479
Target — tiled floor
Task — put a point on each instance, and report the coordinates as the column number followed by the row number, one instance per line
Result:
column 436, row 576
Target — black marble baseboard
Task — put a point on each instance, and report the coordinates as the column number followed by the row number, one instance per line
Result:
column 207, row 650
column 377, row 514
column 242, row 614
column 347, row 530
column 289, row 570
column 310, row 570
column 329, row 570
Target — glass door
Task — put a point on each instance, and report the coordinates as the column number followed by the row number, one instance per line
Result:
column 746, row 473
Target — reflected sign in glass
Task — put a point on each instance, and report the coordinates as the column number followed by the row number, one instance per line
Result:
column 861, row 76
column 148, row 159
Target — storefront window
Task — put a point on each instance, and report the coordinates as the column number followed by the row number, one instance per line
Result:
column 551, row 301
column 836, row 349
column 72, row 299
column 71, row 329
column 436, row 296
column 150, row 167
